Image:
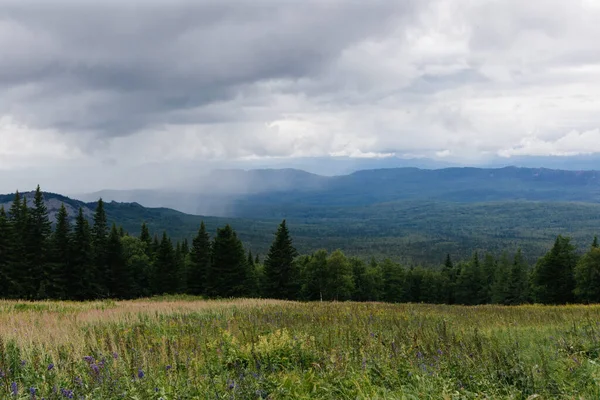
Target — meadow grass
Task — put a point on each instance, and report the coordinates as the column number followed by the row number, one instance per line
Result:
column 186, row 348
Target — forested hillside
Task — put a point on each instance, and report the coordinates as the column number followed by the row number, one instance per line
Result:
column 411, row 232
column 90, row 260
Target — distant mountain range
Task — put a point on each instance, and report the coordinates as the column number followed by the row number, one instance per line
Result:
column 279, row 193
column 414, row 215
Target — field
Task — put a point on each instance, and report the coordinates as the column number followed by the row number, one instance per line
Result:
column 185, row 348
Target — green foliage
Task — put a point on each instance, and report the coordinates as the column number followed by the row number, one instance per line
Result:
column 552, row 278
column 281, row 276
column 200, row 258
column 587, row 277
column 229, row 273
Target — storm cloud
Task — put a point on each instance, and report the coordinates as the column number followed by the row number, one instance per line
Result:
column 116, row 86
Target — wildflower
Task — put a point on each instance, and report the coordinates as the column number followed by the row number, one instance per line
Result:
column 231, row 385
column 89, row 359
column 2, row 375
column 23, row 362
column 95, row 368
column 32, row 391
column 168, row 368
column 141, row 374
column 115, row 356
column 67, row 393
column 14, row 389
column 50, row 367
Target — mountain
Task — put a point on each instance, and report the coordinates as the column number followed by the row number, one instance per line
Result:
column 286, row 193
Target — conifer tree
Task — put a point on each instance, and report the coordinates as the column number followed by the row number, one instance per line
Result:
column 518, row 280
column 60, row 271
column 281, row 278
column 118, row 282
column 200, row 257
column 99, row 247
column 83, row 286
column 553, row 277
column 38, row 248
column 4, row 248
column 17, row 255
column 166, row 267
column 229, row 273
column 146, row 238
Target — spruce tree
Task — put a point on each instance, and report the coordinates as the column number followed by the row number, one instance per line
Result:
column 147, row 239
column 60, row 271
column 200, row 257
column 166, row 268
column 83, row 286
column 99, row 246
column 394, row 278
column 17, row 254
column 553, row 277
column 38, row 249
column 281, row 276
column 228, row 276
column 4, row 249
column 118, row 282
column 518, row 284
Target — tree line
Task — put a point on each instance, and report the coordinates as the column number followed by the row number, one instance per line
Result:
column 84, row 261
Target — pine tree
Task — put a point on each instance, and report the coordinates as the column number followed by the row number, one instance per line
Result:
column 147, row 239
column 60, row 271
column 99, row 245
column 518, row 280
column 200, row 257
column 595, row 242
column 469, row 283
column 166, row 267
column 553, row 276
column 281, row 276
column 17, row 254
column 83, row 286
column 228, row 276
column 38, row 249
column 4, row 249
column 118, row 282
column 448, row 283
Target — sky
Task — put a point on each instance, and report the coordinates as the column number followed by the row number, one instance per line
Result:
column 134, row 94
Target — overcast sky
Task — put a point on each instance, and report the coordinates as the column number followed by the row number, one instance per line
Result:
column 93, row 92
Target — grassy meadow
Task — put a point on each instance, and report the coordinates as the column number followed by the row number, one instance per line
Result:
column 185, row 348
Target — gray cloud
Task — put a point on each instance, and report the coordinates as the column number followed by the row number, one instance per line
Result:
column 111, row 86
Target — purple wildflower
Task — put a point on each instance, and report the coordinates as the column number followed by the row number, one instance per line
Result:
column 50, row 367
column 89, row 359
column 115, row 356
column 14, row 389
column 141, row 374
column 32, row 391
column 168, row 368
column 95, row 368
column 231, row 385
column 66, row 393
column 23, row 362
column 2, row 375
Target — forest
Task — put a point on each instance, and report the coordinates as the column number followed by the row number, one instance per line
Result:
column 92, row 260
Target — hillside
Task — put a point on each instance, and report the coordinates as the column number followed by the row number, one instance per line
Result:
column 407, row 230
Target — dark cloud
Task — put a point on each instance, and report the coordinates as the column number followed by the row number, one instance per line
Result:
column 117, row 68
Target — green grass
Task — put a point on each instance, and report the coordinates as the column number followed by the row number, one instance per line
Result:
column 185, row 348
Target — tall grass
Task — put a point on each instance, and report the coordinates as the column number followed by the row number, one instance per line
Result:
column 262, row 349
